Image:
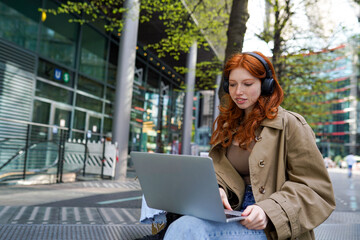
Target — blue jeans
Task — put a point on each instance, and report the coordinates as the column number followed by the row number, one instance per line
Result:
column 349, row 171
column 192, row 228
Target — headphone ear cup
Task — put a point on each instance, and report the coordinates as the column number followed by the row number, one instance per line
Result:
column 267, row 86
column 226, row 85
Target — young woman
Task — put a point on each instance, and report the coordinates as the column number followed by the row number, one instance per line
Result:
column 266, row 161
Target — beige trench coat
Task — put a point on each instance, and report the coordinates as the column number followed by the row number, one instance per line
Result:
column 288, row 177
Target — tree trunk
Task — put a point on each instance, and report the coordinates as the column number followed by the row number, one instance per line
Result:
column 236, row 31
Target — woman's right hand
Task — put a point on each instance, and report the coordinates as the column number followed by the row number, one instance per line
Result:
column 224, row 199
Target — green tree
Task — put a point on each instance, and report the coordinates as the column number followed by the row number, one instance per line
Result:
column 297, row 66
column 184, row 22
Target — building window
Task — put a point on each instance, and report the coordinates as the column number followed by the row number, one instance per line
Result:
column 90, row 86
column 113, row 60
column 52, row 92
column 110, row 94
column 54, row 73
column 88, row 103
column 41, row 112
column 58, row 37
column 19, row 22
column 93, row 53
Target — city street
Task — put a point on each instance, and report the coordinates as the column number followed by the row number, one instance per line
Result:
column 110, row 210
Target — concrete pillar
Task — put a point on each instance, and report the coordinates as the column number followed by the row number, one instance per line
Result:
column 189, row 98
column 216, row 98
column 124, row 85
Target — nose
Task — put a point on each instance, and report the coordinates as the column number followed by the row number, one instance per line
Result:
column 239, row 90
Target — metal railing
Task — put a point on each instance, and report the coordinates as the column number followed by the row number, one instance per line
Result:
column 34, row 149
column 28, row 148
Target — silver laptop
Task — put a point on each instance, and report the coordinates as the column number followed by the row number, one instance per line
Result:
column 181, row 184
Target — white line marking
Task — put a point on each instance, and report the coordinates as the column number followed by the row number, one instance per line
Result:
column 4, row 210
column 89, row 215
column 33, row 214
column 22, row 210
column 47, row 214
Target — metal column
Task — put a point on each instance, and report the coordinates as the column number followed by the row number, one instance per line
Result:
column 124, row 84
column 216, row 98
column 189, row 98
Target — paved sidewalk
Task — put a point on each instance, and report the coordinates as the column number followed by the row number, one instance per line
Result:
column 110, row 210
column 80, row 210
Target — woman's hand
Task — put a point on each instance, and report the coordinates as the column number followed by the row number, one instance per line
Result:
column 224, row 199
column 256, row 218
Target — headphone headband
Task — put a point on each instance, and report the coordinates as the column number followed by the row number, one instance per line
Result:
column 263, row 62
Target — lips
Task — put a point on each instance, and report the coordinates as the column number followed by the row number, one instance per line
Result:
column 240, row 100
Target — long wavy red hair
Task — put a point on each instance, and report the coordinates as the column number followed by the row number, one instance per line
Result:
column 231, row 123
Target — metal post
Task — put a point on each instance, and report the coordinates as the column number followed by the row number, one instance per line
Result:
column 85, row 153
column 26, row 149
column 189, row 98
column 103, row 159
column 124, row 84
column 216, row 98
column 58, row 173
column 61, row 155
column 61, row 158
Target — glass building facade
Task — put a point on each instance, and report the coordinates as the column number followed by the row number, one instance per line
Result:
column 337, row 132
column 73, row 75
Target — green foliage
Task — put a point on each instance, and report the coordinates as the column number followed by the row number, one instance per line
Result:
column 337, row 159
column 206, row 72
column 306, row 82
column 110, row 11
column 300, row 69
column 180, row 26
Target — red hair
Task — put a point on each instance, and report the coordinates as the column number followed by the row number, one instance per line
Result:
column 228, row 122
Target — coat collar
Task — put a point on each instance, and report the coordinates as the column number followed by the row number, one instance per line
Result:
column 276, row 123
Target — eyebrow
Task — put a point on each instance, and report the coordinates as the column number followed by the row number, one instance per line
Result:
column 248, row 79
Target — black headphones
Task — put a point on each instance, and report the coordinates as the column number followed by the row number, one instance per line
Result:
column 268, row 83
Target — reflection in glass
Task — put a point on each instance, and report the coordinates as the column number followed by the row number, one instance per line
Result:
column 58, row 37
column 95, row 127
column 41, row 112
column 113, row 59
column 55, row 73
column 93, row 53
column 107, row 125
column 19, row 22
column 61, row 114
column 53, row 92
column 88, row 103
column 79, row 120
column 110, row 94
column 165, row 118
column 90, row 86
column 109, row 110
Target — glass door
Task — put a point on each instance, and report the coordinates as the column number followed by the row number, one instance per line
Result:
column 84, row 123
column 94, row 125
column 59, row 116
column 62, row 117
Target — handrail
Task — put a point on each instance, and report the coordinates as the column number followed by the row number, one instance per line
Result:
column 34, row 124
column 23, row 150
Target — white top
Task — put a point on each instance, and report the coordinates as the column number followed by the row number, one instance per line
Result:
column 350, row 159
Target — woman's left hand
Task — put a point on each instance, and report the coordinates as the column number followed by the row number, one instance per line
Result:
column 256, row 218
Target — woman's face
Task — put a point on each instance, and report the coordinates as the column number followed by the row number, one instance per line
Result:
column 244, row 89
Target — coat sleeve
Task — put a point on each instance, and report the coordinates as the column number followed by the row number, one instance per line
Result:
column 306, row 199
